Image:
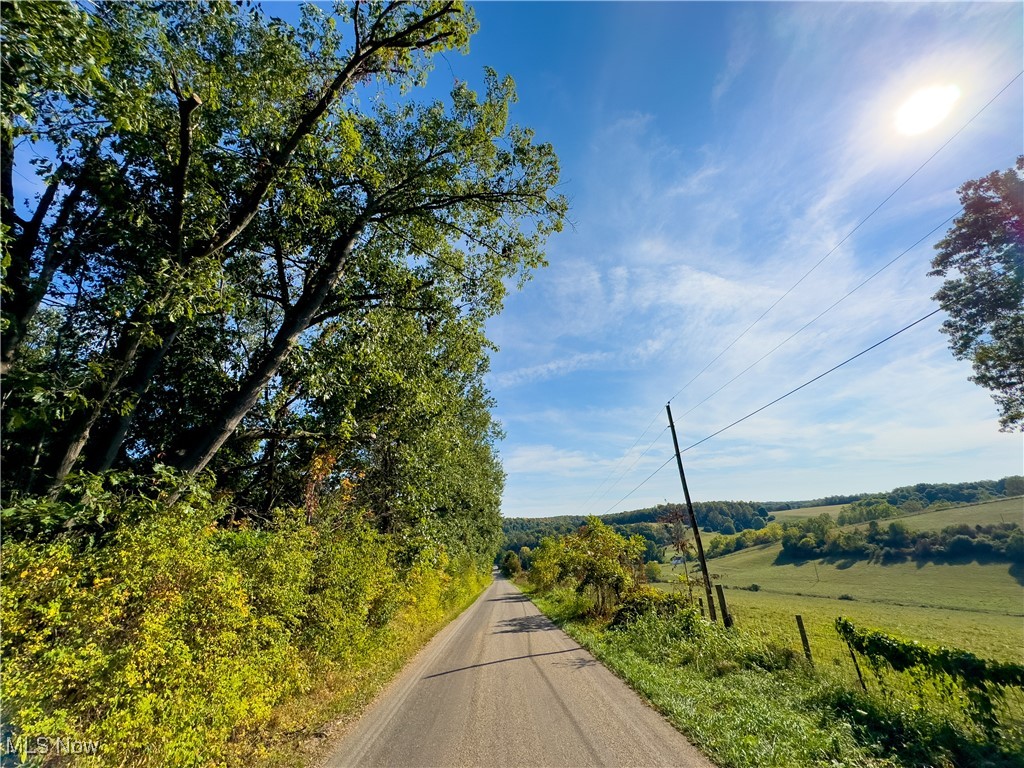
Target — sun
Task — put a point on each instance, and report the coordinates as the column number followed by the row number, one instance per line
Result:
column 926, row 108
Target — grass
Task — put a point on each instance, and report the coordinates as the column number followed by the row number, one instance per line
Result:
column 985, row 513
column 975, row 606
column 747, row 700
column 978, row 587
column 804, row 513
column 771, row 616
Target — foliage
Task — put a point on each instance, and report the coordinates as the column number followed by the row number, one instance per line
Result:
column 545, row 566
column 510, row 565
column 594, row 560
column 753, row 520
column 598, row 559
column 985, row 300
column 247, row 441
column 179, row 633
column 643, row 599
column 984, row 680
column 866, row 509
column 246, row 265
column 822, row 537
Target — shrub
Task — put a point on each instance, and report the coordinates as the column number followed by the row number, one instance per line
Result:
column 643, row 599
column 148, row 645
column 167, row 636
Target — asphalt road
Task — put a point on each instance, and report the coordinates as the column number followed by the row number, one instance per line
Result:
column 502, row 686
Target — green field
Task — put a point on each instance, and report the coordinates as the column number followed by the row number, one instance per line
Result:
column 989, row 587
column 793, row 515
column 986, row 513
column 992, row 636
column 975, row 606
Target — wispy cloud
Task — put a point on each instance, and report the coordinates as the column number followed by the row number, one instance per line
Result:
column 741, row 46
column 680, row 247
column 550, row 369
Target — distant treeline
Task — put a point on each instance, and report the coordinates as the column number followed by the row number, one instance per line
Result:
column 895, row 542
column 746, row 523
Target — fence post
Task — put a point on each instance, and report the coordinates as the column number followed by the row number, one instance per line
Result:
column 726, row 616
column 856, row 666
column 803, row 637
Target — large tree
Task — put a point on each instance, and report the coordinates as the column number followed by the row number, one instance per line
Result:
column 225, row 202
column 982, row 256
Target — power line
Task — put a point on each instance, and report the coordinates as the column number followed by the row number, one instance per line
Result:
column 811, row 381
column 849, row 234
column 615, row 468
column 777, row 301
column 641, row 485
column 597, row 492
column 773, row 402
column 630, row 467
column 827, row 310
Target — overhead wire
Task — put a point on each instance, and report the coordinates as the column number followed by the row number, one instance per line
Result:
column 641, row 485
column 811, row 381
column 860, row 224
column 597, row 490
column 828, row 309
column 849, row 234
column 630, row 467
column 773, row 402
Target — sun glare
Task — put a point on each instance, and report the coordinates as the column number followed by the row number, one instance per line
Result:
column 926, row 108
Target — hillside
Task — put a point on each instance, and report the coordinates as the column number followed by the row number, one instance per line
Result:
column 729, row 517
column 971, row 605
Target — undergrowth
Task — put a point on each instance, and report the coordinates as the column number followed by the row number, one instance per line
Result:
column 749, row 702
column 174, row 639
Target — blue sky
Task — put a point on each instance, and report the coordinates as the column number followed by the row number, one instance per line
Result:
column 712, row 154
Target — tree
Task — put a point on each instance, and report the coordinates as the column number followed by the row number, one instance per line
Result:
column 510, row 565
column 230, row 225
column 985, row 300
column 599, row 558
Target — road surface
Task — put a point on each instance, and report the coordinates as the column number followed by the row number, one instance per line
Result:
column 502, row 686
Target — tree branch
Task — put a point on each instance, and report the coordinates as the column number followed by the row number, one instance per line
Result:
column 404, row 38
column 185, row 109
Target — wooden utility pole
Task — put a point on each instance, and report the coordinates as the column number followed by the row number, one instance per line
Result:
column 693, row 518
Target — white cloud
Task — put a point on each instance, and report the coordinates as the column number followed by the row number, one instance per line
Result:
column 678, row 250
column 741, row 46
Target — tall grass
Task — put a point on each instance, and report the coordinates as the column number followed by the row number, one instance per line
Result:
column 750, row 701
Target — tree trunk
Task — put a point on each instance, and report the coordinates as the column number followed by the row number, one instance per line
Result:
column 128, row 349
column 296, row 321
column 108, row 441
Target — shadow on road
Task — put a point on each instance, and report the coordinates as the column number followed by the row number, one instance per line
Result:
column 520, row 598
column 574, row 662
column 535, row 623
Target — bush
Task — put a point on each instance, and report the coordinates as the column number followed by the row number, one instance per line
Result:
column 148, row 645
column 168, row 636
column 643, row 599
column 510, row 565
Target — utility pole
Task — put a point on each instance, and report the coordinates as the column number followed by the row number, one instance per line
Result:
column 693, row 518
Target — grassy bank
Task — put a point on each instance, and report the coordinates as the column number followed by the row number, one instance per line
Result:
column 990, row 635
column 748, row 699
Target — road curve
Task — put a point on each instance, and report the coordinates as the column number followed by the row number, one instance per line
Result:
column 501, row 686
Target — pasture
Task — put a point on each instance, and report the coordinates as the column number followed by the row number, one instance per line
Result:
column 975, row 606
